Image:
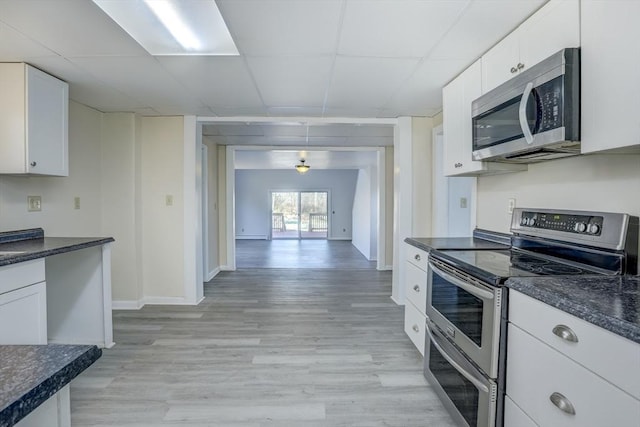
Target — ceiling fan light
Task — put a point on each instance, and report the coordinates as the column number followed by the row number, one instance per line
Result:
column 302, row 168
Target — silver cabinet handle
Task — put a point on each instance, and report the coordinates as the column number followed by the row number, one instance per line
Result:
column 33, row 164
column 565, row 333
column 520, row 65
column 514, row 70
column 417, row 257
column 562, row 403
column 416, row 288
column 415, row 328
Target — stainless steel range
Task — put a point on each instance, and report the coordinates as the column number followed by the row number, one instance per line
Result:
column 467, row 304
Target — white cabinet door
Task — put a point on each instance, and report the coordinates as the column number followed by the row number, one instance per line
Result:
column 538, row 376
column 414, row 325
column 499, row 64
column 553, row 27
column 47, row 124
column 514, row 416
column 23, row 315
column 33, row 121
column 610, row 94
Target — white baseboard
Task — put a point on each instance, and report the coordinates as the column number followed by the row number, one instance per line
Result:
column 386, row 268
column 126, row 305
column 252, row 237
column 227, row 268
column 339, row 238
column 396, row 301
column 213, row 273
column 165, row 301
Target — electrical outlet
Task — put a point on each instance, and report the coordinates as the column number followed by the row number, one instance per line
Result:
column 34, row 203
column 510, row 205
column 169, row 200
column 76, row 203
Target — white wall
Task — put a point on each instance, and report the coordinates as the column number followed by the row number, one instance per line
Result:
column 119, row 193
column 362, row 214
column 58, row 216
column 253, row 202
column 162, row 227
column 599, row 182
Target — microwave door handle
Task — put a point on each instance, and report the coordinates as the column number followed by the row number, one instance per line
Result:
column 528, row 136
column 474, row 290
column 475, row 381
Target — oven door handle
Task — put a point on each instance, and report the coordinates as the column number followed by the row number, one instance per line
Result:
column 474, row 290
column 438, row 344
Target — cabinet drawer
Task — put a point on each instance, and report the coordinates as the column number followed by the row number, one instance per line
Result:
column 414, row 324
column 23, row 315
column 612, row 357
column 514, row 416
column 417, row 257
column 15, row 276
column 535, row 372
column 416, row 291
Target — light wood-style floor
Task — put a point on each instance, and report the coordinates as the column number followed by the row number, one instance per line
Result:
column 267, row 347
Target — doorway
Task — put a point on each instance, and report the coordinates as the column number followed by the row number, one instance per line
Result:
column 299, row 215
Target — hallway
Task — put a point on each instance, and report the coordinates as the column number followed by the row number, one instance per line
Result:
column 334, row 254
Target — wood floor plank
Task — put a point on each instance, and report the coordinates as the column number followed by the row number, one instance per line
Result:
column 300, row 347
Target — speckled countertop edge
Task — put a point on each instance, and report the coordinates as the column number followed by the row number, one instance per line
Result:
column 555, row 291
column 31, row 245
column 42, row 382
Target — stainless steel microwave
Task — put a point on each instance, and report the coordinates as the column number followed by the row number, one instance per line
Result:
column 535, row 116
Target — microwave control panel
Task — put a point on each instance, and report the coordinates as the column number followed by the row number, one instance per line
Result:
column 579, row 224
column 550, row 106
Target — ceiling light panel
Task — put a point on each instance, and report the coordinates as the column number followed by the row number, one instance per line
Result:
column 173, row 27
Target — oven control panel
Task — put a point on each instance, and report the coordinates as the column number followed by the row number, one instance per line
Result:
column 580, row 224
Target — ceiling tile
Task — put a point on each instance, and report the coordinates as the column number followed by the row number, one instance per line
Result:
column 423, row 91
column 392, row 28
column 140, row 78
column 367, row 82
column 69, row 27
column 261, row 27
column 482, row 25
column 292, row 81
column 222, row 81
column 16, row 47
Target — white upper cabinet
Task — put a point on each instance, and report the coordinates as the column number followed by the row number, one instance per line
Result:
column 457, row 97
column 34, row 117
column 554, row 27
column 610, row 55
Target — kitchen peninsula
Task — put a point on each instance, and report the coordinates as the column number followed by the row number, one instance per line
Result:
column 55, row 289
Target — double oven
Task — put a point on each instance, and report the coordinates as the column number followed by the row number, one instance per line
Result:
column 467, row 302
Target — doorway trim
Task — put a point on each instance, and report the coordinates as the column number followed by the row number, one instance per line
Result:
column 231, row 189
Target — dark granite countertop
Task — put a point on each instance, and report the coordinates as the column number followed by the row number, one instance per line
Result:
column 482, row 239
column 611, row 302
column 30, row 374
column 25, row 245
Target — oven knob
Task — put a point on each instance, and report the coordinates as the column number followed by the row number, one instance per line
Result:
column 594, row 228
column 580, row 227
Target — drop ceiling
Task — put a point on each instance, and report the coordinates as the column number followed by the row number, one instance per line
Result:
column 302, row 58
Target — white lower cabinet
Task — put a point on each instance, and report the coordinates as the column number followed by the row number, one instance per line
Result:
column 414, row 324
column 515, row 415
column 563, row 371
column 23, row 304
column 416, row 265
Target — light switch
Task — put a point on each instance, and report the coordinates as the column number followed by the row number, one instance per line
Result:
column 510, row 205
column 34, row 203
column 169, row 200
column 76, row 203
column 463, row 202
